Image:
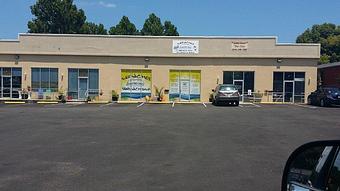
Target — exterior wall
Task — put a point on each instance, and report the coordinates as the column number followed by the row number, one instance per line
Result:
column 211, row 70
column 330, row 76
column 147, row 46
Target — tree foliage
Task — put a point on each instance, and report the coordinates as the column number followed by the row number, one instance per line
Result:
column 93, row 28
column 56, row 16
column 328, row 35
column 153, row 26
column 170, row 29
column 63, row 17
column 124, row 27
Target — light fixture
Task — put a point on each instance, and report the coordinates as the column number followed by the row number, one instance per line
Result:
column 16, row 58
column 279, row 60
column 147, row 59
column 62, row 76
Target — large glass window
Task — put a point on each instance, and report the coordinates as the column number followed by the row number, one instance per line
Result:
column 243, row 80
column 289, row 87
column 44, row 79
column 83, row 83
column 135, row 84
column 11, row 81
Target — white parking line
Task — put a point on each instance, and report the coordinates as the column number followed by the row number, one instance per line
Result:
column 106, row 105
column 240, row 105
column 204, row 105
column 173, row 104
column 255, row 105
column 306, row 106
column 140, row 105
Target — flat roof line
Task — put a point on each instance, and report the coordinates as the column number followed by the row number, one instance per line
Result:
column 140, row 36
column 329, row 65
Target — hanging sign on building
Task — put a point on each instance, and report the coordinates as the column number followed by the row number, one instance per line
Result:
column 185, row 46
column 239, row 45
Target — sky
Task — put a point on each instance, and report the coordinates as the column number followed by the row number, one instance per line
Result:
column 283, row 18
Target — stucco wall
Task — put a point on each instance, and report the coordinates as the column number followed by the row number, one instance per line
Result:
column 211, row 70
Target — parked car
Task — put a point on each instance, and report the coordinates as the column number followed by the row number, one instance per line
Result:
column 225, row 93
column 313, row 166
column 325, row 96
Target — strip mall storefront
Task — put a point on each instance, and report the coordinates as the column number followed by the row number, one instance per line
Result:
column 186, row 68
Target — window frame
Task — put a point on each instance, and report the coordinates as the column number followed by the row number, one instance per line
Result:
column 39, row 71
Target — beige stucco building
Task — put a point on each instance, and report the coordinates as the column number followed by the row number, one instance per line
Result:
column 187, row 67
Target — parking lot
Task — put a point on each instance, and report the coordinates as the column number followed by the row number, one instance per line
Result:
column 154, row 146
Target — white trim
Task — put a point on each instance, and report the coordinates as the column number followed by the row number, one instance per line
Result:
column 329, row 65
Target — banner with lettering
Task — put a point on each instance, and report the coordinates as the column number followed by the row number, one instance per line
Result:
column 136, row 84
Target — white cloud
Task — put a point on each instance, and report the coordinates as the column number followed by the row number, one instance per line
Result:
column 107, row 5
column 97, row 3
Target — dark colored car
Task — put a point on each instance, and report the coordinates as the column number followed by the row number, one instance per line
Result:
column 225, row 93
column 325, row 96
column 314, row 166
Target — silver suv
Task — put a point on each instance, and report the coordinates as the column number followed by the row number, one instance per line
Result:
column 225, row 93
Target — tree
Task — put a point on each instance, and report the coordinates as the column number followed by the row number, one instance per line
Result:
column 92, row 28
column 170, row 29
column 328, row 35
column 153, row 26
column 124, row 27
column 56, row 16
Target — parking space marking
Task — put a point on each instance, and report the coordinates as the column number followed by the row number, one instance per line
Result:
column 108, row 104
column 173, row 104
column 140, row 105
column 204, row 105
column 306, row 106
column 240, row 105
column 255, row 105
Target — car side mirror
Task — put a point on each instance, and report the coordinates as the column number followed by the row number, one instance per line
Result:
column 308, row 167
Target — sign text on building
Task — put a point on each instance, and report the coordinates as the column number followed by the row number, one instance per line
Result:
column 185, row 47
column 239, row 45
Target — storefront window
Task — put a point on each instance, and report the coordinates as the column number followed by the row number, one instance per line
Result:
column 244, row 81
column 44, row 79
column 135, row 84
column 83, row 83
column 185, row 85
column 11, row 81
column 289, row 87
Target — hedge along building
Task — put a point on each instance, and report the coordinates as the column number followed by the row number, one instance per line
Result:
column 187, row 67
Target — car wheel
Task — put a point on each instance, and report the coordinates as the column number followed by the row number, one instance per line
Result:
column 309, row 101
column 237, row 103
column 323, row 103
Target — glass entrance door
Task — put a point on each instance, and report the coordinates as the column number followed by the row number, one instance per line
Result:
column 185, row 90
column 288, row 91
column 83, row 87
column 6, row 88
column 240, row 88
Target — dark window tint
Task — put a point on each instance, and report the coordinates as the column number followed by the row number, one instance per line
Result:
column 238, row 75
column 300, row 75
column 83, row 72
column 278, row 82
column 54, row 79
column 227, row 77
column 248, row 81
column 289, row 75
column 311, row 167
column 334, row 179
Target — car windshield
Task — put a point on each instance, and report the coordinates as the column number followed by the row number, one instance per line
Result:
column 227, row 88
column 332, row 90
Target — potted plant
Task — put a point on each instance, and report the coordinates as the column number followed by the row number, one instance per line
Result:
column 61, row 95
column 115, row 96
column 24, row 94
column 159, row 93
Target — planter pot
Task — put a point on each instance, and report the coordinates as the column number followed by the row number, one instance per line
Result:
column 115, row 98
